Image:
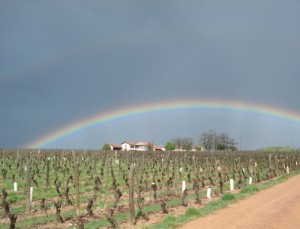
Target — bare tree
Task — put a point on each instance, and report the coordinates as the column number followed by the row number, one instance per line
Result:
column 213, row 141
column 178, row 142
column 183, row 143
column 224, row 142
column 207, row 139
column 187, row 143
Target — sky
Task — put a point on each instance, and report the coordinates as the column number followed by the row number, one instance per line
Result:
column 65, row 61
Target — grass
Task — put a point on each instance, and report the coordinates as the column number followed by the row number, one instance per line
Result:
column 125, row 216
column 92, row 224
column 28, row 222
column 228, row 197
column 171, row 221
column 192, row 212
column 250, row 189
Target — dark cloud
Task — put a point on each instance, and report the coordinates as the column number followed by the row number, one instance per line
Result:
column 63, row 61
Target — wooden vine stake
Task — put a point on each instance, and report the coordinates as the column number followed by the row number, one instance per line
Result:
column 76, row 179
column 131, row 194
column 28, row 184
column 21, row 166
column 47, row 173
column 270, row 161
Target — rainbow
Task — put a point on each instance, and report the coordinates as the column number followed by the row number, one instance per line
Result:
column 174, row 105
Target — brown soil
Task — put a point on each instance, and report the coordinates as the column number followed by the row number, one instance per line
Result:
column 275, row 207
column 155, row 217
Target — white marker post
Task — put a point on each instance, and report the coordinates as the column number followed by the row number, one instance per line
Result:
column 250, row 180
column 15, row 186
column 31, row 193
column 231, row 183
column 208, row 193
column 287, row 169
column 183, row 185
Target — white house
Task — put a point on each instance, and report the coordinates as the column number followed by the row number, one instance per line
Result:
column 146, row 146
column 140, row 146
column 127, row 145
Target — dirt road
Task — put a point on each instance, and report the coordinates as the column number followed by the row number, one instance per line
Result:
column 275, row 207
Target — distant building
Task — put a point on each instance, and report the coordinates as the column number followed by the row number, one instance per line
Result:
column 136, row 146
column 127, row 146
column 147, row 146
column 115, row 147
column 194, row 149
column 143, row 146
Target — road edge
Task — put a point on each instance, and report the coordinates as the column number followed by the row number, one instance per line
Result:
column 171, row 221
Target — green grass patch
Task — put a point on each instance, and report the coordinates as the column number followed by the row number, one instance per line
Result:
column 192, row 212
column 250, row 189
column 228, row 197
column 14, row 197
column 168, row 222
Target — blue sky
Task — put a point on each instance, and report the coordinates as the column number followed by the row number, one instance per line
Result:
column 63, row 61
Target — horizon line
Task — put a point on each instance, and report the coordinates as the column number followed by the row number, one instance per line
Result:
column 170, row 105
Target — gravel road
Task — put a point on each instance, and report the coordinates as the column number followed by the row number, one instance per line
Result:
column 274, row 207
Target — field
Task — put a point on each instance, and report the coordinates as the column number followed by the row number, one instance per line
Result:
column 93, row 189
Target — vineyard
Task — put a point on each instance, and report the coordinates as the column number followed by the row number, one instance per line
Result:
column 94, row 189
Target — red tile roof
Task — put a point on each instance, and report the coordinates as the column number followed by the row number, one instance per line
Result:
column 143, row 144
column 128, row 142
column 116, row 145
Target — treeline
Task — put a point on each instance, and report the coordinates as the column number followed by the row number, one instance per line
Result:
column 278, row 149
column 210, row 141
